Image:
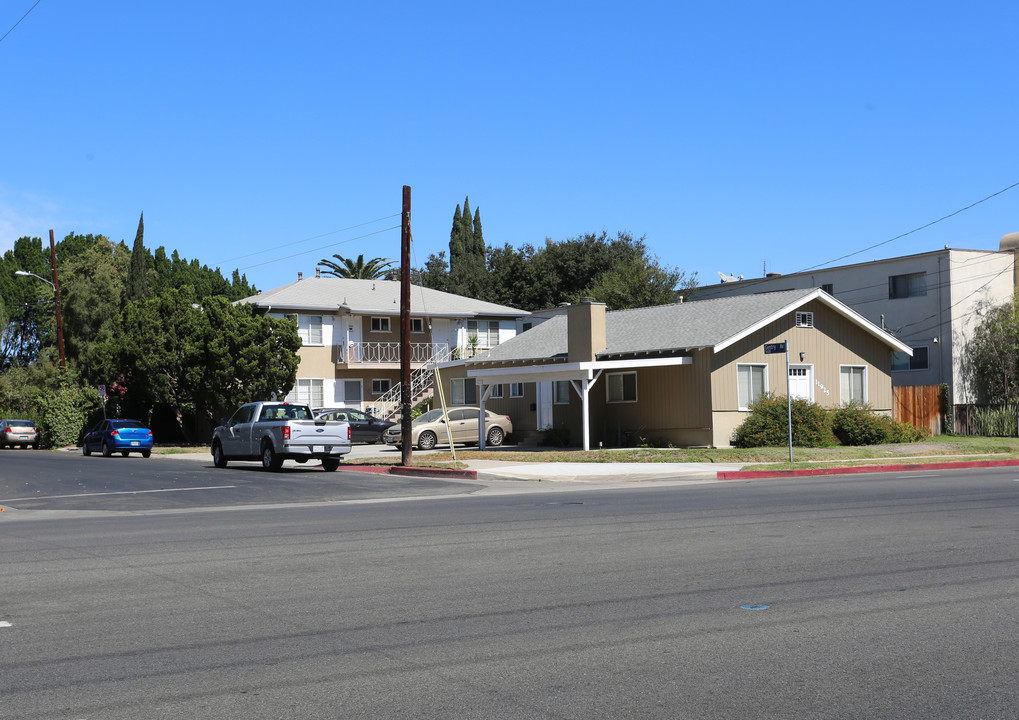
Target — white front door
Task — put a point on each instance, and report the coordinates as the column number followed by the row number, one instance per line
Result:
column 801, row 382
column 544, row 391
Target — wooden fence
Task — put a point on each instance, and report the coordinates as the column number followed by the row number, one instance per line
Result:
column 918, row 405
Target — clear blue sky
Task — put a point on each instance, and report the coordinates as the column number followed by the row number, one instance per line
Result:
column 267, row 135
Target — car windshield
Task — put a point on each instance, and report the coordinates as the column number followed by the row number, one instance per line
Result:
column 21, row 423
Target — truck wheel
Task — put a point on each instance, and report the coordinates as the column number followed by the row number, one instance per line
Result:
column 270, row 459
column 218, row 458
column 495, row 436
column 330, row 464
column 427, row 440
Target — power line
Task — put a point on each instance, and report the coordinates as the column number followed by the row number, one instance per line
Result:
column 19, row 21
column 228, row 261
column 323, row 247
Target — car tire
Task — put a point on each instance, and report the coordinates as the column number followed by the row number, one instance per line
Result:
column 270, row 459
column 218, row 458
column 35, row 446
column 107, row 450
column 330, row 464
column 496, row 436
column 84, row 450
column 146, row 453
column 427, row 440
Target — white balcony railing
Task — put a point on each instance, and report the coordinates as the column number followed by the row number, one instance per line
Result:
column 387, row 352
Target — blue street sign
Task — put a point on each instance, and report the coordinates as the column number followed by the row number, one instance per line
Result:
column 772, row 348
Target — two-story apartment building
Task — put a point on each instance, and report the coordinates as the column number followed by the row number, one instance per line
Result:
column 930, row 301
column 350, row 336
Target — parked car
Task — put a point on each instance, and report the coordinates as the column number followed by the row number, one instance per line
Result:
column 364, row 427
column 430, row 429
column 19, row 432
column 276, row 431
column 118, row 435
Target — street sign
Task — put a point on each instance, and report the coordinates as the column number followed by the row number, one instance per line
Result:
column 772, row 348
column 102, row 391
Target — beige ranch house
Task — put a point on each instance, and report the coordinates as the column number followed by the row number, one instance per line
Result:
column 683, row 373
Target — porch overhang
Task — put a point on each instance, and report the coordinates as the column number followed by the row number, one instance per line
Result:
column 581, row 376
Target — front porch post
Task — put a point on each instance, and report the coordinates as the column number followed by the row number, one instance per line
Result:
column 485, row 393
column 584, row 389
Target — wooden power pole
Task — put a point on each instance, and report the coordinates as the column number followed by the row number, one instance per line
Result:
column 406, row 391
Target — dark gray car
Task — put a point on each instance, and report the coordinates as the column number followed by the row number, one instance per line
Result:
column 363, row 427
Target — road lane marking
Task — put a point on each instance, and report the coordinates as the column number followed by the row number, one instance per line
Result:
column 118, row 492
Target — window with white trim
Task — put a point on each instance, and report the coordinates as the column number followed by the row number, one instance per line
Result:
column 804, row 319
column 561, row 392
column 309, row 328
column 516, row 390
column 918, row 361
column 905, row 286
column 417, row 325
column 486, row 331
column 463, row 391
column 307, row 391
column 751, row 383
column 380, row 324
column 380, row 386
column 852, row 384
column 496, row 391
column 621, row 387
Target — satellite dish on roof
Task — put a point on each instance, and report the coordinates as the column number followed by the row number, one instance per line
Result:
column 730, row 278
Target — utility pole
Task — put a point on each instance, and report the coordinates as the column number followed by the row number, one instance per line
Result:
column 405, row 388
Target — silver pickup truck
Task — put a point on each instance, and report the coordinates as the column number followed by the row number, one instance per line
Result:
column 276, row 431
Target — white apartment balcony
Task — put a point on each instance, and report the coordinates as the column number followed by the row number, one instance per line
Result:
column 387, row 354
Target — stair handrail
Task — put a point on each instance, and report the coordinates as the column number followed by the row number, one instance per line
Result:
column 388, row 404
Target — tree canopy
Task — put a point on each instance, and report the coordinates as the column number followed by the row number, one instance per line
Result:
column 619, row 271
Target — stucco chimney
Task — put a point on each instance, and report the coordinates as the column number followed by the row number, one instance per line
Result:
column 585, row 324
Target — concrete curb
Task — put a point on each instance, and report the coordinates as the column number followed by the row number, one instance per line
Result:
column 748, row 474
column 432, row 472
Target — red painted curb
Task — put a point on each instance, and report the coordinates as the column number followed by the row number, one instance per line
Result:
column 747, row 474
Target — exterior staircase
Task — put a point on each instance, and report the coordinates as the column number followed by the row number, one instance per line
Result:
column 422, row 382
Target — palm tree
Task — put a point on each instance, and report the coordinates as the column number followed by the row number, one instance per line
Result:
column 374, row 269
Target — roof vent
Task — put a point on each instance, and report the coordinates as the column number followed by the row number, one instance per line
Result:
column 300, row 276
column 318, row 272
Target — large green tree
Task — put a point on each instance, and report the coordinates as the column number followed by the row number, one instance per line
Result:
column 992, row 354
column 467, row 252
column 358, row 269
column 200, row 360
column 93, row 289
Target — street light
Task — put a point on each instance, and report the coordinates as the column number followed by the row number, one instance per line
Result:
column 56, row 296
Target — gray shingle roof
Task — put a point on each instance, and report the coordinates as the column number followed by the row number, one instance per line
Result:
column 374, row 296
column 705, row 323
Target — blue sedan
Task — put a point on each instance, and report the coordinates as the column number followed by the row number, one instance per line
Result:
column 123, row 436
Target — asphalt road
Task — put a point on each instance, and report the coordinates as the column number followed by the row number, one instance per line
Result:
column 887, row 597
column 40, row 480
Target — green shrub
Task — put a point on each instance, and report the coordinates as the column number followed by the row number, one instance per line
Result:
column 63, row 412
column 768, row 424
column 556, row 437
column 996, row 421
column 858, row 424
